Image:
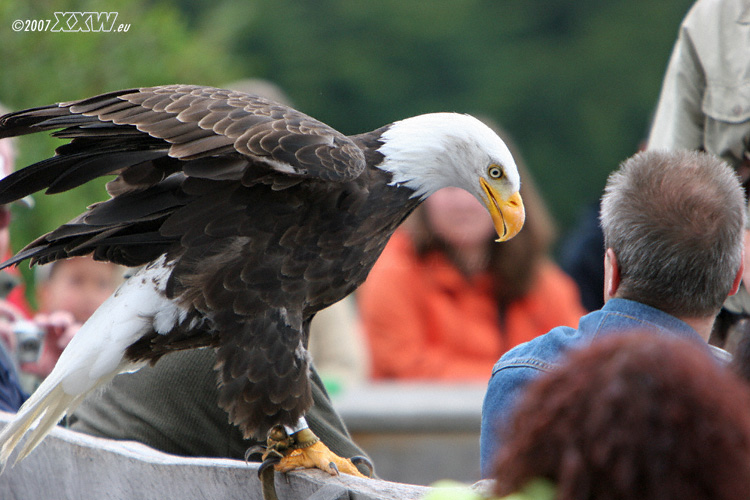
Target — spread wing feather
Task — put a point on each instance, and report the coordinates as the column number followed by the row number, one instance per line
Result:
column 183, row 122
column 196, row 122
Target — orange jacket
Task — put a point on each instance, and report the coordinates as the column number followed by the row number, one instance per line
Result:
column 425, row 320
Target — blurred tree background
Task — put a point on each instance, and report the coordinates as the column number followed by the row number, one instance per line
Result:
column 574, row 82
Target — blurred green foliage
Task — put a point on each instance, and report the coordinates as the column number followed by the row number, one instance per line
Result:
column 573, row 81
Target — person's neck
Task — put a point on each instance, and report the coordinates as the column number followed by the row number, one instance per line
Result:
column 701, row 325
column 472, row 260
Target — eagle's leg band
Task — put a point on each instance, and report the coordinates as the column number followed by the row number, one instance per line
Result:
column 300, row 425
column 303, row 439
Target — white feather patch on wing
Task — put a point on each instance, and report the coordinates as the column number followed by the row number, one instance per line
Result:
column 97, row 349
column 94, row 356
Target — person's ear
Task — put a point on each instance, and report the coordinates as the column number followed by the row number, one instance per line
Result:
column 611, row 274
column 738, row 277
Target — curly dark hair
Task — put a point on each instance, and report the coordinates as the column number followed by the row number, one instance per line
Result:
column 635, row 417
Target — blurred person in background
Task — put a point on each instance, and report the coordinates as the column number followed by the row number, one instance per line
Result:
column 704, row 102
column 444, row 300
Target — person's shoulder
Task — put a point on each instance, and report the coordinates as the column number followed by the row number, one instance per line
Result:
column 713, row 17
column 540, row 353
column 703, row 10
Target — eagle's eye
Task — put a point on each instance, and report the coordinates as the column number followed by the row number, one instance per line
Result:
column 495, row 172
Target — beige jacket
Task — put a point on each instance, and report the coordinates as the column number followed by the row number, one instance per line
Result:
column 705, row 97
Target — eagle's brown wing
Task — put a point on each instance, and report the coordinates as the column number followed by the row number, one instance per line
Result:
column 184, row 122
column 146, row 135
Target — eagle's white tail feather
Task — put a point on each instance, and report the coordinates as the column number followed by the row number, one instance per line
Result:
column 29, row 413
column 51, row 416
column 42, row 411
column 93, row 357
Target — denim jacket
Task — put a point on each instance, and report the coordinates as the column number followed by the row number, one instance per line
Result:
column 524, row 363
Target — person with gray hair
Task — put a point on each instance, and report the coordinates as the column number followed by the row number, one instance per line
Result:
column 673, row 229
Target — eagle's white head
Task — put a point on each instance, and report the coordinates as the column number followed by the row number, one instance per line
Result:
column 429, row 152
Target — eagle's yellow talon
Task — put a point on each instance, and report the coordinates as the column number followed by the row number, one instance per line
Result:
column 303, row 450
column 317, row 456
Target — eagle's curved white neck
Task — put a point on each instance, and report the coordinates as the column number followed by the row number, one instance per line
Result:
column 429, row 152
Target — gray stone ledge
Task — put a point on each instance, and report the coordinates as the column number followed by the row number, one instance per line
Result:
column 71, row 465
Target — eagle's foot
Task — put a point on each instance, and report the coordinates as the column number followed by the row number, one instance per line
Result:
column 303, row 450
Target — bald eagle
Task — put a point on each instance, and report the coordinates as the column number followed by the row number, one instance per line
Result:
column 246, row 217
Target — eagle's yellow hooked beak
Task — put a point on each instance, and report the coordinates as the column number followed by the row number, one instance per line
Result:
column 507, row 215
